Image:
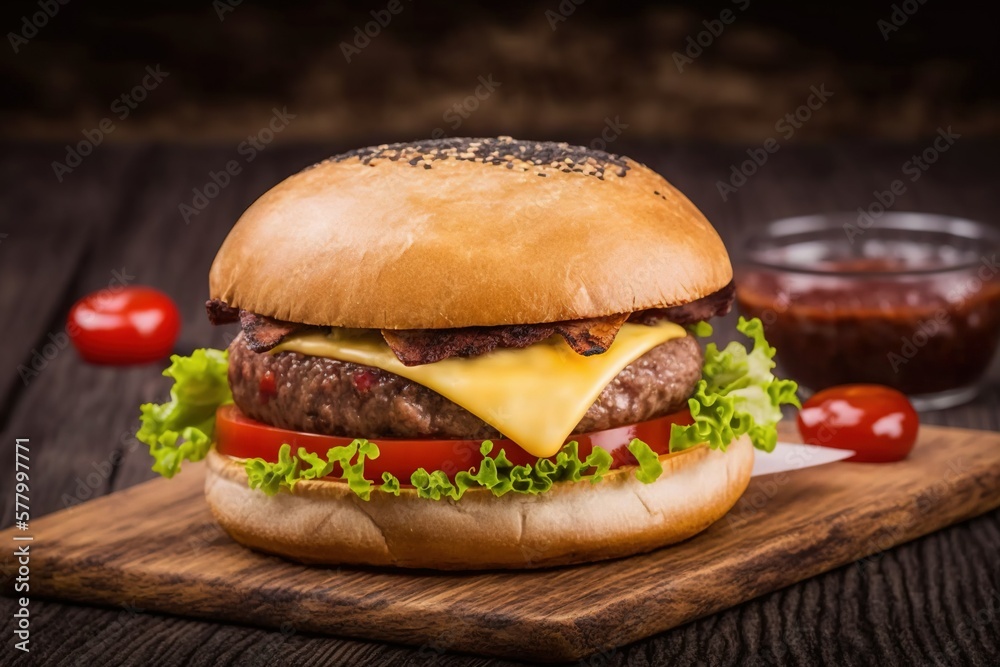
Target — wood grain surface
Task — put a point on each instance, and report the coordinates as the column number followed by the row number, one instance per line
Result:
column 932, row 601
column 157, row 545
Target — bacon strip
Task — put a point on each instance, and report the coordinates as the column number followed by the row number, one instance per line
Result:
column 425, row 346
column 220, row 312
column 714, row 305
column 593, row 336
column 261, row 333
column 414, row 347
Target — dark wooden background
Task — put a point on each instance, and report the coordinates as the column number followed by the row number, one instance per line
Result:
column 933, row 601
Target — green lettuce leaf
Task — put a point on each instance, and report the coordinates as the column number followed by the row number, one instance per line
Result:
column 700, row 329
column 272, row 477
column 501, row 476
column 390, row 484
column 346, row 462
column 498, row 474
column 182, row 429
column 354, row 472
column 650, row 467
column 737, row 395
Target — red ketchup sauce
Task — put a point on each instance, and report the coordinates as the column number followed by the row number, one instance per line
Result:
column 921, row 333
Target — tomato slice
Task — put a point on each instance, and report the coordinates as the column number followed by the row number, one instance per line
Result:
column 239, row 436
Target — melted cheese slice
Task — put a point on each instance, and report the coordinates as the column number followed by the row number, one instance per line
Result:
column 535, row 395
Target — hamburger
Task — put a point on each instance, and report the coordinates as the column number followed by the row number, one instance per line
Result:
column 470, row 354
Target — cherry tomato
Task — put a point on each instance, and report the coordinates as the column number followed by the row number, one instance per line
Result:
column 239, row 436
column 128, row 325
column 877, row 422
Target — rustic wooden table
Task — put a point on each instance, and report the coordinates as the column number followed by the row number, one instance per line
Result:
column 116, row 217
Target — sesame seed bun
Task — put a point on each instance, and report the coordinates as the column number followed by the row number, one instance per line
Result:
column 465, row 232
column 573, row 522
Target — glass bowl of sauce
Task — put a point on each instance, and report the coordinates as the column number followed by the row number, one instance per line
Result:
column 910, row 300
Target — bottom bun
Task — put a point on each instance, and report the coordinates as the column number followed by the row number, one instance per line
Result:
column 573, row 522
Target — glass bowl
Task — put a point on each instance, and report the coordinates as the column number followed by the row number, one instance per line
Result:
column 909, row 300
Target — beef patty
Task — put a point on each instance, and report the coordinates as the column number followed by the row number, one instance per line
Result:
column 320, row 395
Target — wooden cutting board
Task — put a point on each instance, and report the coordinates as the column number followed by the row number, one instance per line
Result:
column 155, row 546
